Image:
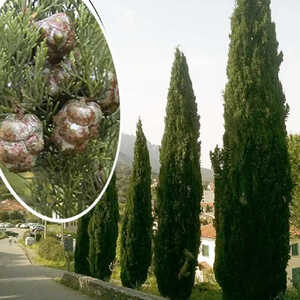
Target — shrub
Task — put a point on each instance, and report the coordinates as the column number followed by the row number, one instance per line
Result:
column 51, row 249
column 26, row 234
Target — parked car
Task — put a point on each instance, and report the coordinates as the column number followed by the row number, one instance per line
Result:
column 24, row 226
column 37, row 228
column 33, row 225
column 8, row 225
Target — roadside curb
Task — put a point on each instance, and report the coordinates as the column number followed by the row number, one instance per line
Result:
column 103, row 290
column 26, row 253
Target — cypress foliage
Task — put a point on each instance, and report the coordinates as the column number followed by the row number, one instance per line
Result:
column 252, row 173
column 136, row 236
column 58, row 178
column 103, row 233
column 81, row 264
column 179, row 190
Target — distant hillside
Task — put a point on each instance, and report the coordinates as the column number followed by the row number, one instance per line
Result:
column 126, row 156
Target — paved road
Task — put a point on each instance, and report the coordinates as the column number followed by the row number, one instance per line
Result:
column 22, row 281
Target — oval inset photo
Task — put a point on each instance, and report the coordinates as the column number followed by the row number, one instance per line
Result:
column 59, row 107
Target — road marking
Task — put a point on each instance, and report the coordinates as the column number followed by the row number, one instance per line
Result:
column 10, row 297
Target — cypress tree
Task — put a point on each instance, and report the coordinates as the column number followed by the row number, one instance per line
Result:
column 103, row 233
column 252, row 173
column 81, row 265
column 180, row 189
column 136, row 236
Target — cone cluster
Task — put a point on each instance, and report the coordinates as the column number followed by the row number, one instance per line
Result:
column 21, row 135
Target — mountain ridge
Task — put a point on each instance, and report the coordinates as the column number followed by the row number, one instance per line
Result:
column 126, row 156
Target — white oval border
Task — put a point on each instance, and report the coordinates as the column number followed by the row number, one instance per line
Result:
column 7, row 184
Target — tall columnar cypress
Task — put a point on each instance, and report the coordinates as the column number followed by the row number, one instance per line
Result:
column 252, row 172
column 136, row 235
column 81, row 264
column 103, row 233
column 180, row 190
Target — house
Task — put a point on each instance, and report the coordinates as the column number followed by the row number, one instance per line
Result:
column 208, row 196
column 11, row 205
column 206, row 256
column 293, row 267
column 207, row 247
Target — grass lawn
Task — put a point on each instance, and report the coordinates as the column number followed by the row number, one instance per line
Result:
column 56, row 228
column 206, row 292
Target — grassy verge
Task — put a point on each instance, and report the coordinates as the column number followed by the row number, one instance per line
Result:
column 33, row 252
column 56, row 228
column 3, row 235
column 201, row 291
column 292, row 294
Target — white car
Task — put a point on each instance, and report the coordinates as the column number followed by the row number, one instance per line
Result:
column 24, row 226
column 38, row 229
column 37, row 226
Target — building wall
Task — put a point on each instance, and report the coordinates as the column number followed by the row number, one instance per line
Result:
column 294, row 261
column 208, row 196
column 211, row 243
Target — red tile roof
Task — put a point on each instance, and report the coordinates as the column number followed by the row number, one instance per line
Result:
column 208, row 231
column 10, row 205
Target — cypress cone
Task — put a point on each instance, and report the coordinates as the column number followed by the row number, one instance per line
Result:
column 21, row 140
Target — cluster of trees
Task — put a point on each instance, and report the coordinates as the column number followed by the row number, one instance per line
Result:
column 174, row 243
column 255, row 172
column 97, row 236
column 256, row 176
column 13, row 216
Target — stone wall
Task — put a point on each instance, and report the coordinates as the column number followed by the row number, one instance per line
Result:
column 103, row 290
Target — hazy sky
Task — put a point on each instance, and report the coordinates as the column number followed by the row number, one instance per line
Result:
column 143, row 36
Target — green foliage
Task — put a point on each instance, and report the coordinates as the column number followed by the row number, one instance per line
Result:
column 16, row 216
column 59, row 179
column 4, row 216
column 179, row 190
column 51, row 249
column 294, row 154
column 81, row 264
column 252, row 173
column 292, row 294
column 3, row 235
column 136, row 235
column 103, row 233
